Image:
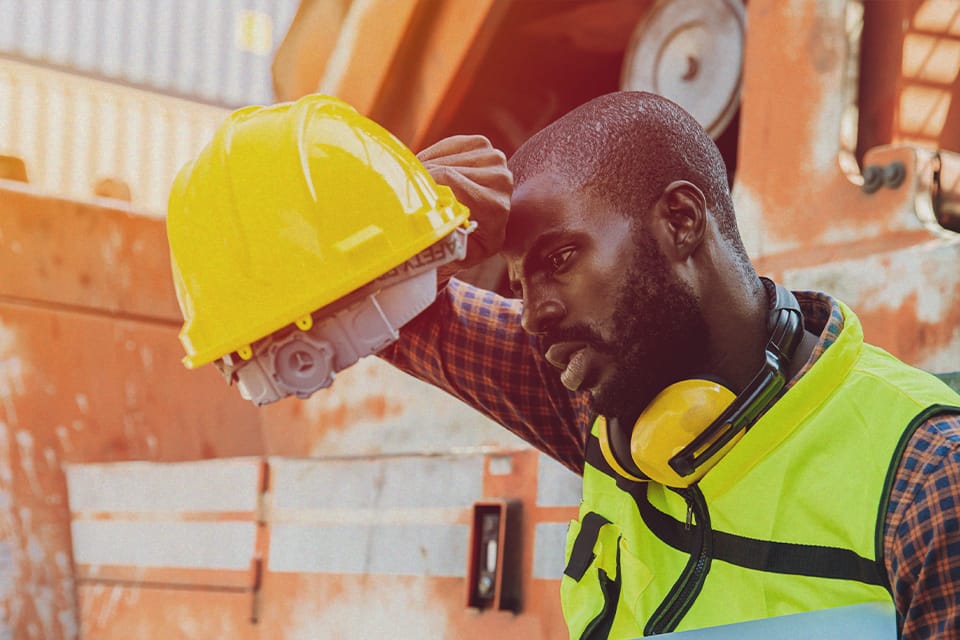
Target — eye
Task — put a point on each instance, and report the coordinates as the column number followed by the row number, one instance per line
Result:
column 558, row 259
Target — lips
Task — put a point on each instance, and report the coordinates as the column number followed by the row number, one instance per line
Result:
column 570, row 358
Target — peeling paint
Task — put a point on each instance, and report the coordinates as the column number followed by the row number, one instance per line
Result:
column 63, row 438
column 131, row 392
column 68, row 624
column 7, row 567
column 27, row 460
column 403, row 611
column 828, row 49
column 12, row 373
column 6, row 464
column 51, row 458
column 146, row 358
column 107, row 611
column 749, row 207
column 110, row 248
column 373, row 408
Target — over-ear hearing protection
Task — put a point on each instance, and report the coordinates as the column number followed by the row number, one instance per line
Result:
column 689, row 426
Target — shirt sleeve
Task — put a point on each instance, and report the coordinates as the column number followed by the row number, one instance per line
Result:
column 922, row 532
column 470, row 344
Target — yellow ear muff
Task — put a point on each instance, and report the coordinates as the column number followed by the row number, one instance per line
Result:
column 671, row 421
column 693, row 423
column 676, row 416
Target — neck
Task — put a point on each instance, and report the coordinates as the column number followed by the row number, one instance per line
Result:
column 738, row 330
column 739, row 337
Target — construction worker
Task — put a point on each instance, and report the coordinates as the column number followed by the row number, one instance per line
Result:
column 744, row 453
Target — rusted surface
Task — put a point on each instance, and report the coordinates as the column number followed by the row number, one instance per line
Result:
column 328, row 554
column 373, row 409
column 119, row 612
column 908, row 299
column 802, row 210
column 89, row 371
column 73, row 255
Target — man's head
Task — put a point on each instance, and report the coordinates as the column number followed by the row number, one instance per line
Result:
column 620, row 208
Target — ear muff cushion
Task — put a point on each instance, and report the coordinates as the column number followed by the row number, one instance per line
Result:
column 671, row 421
column 606, row 447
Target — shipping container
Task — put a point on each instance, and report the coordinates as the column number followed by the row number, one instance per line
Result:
column 73, row 132
column 213, row 51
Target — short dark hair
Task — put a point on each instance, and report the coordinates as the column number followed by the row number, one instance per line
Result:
column 627, row 147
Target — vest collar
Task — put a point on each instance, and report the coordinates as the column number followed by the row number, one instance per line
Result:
column 806, row 394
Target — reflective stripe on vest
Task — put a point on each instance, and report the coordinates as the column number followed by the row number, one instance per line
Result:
column 791, row 520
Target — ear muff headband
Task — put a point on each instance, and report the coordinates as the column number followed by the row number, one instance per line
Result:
column 786, row 330
column 660, row 444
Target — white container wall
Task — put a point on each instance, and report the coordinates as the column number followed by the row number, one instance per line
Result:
column 214, row 51
column 73, row 132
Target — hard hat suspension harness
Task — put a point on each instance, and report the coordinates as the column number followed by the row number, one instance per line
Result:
column 304, row 357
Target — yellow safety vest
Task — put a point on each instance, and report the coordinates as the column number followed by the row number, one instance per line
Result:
column 791, row 519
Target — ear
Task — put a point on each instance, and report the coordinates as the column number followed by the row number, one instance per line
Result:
column 682, row 215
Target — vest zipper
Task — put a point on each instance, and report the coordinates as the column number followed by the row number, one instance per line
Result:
column 687, row 587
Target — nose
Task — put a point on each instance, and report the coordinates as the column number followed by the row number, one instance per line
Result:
column 541, row 312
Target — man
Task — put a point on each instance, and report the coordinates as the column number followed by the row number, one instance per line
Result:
column 837, row 482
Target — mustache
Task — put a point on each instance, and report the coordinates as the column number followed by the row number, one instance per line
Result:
column 576, row 333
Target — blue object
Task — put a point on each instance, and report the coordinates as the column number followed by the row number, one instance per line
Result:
column 855, row 622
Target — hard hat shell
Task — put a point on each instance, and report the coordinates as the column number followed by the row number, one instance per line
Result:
column 289, row 208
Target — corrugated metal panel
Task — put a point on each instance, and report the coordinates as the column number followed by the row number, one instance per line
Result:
column 73, row 132
column 214, row 51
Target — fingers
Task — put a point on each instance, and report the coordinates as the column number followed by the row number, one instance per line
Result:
column 479, row 177
column 471, row 150
column 497, row 178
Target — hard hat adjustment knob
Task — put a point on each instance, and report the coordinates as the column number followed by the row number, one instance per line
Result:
column 303, row 365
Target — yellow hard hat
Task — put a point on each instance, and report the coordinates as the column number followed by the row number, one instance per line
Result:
column 289, row 208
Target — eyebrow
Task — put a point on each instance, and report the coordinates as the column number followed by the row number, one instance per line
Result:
column 537, row 246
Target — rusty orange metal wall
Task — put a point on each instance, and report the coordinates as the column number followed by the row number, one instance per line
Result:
column 89, row 371
column 383, row 554
column 801, row 208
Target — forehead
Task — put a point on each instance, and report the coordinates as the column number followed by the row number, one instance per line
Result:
column 545, row 205
column 542, row 204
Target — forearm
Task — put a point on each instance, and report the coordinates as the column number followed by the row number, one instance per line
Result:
column 470, row 344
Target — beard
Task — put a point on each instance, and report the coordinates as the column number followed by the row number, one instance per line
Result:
column 659, row 335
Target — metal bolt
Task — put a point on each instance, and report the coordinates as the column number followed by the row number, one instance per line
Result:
column 872, row 178
column 893, row 174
